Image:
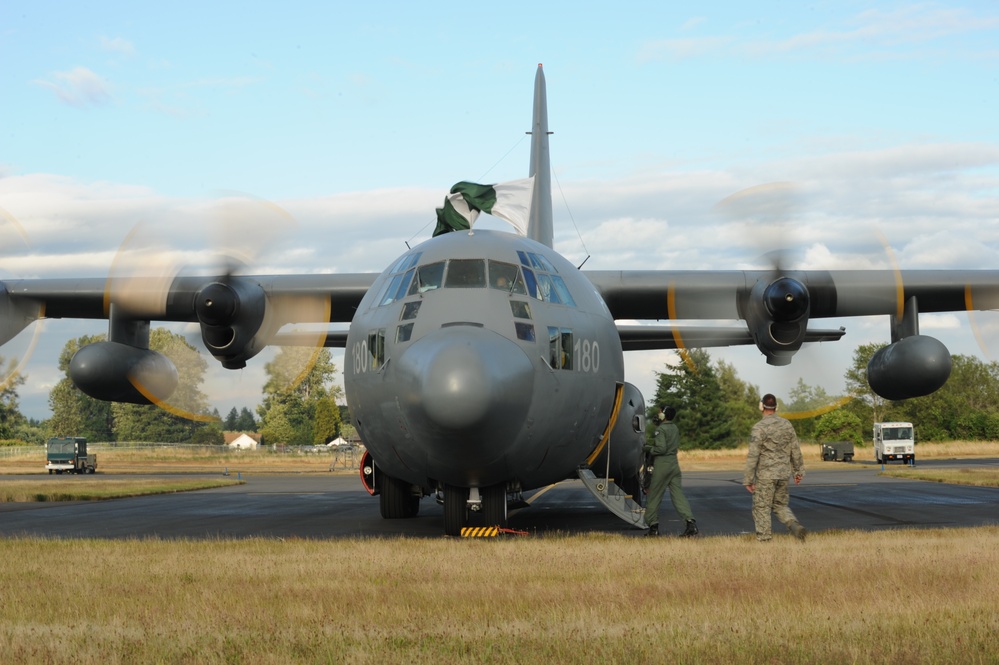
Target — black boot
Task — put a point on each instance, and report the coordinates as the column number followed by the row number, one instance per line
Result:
column 691, row 529
column 653, row 530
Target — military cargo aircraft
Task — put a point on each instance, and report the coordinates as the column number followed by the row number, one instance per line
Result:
column 482, row 364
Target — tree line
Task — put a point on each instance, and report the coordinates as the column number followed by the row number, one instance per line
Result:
column 717, row 409
column 299, row 404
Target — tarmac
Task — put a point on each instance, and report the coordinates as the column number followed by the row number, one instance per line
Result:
column 833, row 496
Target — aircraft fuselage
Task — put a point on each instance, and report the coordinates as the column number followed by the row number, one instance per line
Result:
column 479, row 359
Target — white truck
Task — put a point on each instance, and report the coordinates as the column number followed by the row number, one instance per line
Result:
column 894, row 441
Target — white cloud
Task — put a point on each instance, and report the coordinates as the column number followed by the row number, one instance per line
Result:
column 117, row 45
column 79, row 87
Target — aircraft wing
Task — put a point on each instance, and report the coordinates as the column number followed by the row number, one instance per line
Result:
column 777, row 305
column 651, row 337
column 730, row 295
column 90, row 298
column 239, row 316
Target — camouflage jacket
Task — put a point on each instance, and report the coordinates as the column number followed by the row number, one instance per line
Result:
column 774, row 453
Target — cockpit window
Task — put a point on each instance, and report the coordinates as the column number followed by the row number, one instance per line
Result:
column 562, row 290
column 397, row 288
column 506, row 277
column 428, row 277
column 542, row 279
column 466, row 273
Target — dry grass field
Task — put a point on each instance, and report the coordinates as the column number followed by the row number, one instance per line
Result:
column 846, row 597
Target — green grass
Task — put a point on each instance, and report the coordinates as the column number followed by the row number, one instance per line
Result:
column 97, row 489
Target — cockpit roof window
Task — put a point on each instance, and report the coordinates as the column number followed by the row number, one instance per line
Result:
column 407, row 262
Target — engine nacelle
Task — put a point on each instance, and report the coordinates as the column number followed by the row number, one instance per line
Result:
column 777, row 315
column 911, row 367
column 231, row 314
column 116, row 372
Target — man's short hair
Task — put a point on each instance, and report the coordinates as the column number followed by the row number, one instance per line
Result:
column 669, row 413
column 769, row 401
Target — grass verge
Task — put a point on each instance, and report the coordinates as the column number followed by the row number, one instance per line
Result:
column 913, row 596
column 96, row 489
column 979, row 477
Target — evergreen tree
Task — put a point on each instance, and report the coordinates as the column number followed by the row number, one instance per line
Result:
column 246, row 422
column 741, row 400
column 694, row 391
column 232, row 420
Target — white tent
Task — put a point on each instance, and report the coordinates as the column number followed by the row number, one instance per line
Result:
column 244, row 442
column 337, row 442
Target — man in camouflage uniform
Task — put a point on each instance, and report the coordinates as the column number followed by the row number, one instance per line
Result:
column 774, row 454
column 666, row 474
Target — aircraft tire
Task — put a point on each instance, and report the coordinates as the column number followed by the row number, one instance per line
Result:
column 396, row 500
column 455, row 509
column 494, row 506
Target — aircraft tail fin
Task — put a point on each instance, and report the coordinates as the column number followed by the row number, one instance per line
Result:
column 540, row 227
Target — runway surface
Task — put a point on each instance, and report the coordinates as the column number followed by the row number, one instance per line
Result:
column 834, row 495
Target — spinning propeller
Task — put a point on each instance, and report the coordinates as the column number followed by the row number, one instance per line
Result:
column 168, row 276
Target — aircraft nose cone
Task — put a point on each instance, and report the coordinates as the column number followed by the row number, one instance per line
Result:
column 463, row 378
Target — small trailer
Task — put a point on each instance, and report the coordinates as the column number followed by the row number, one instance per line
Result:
column 837, row 451
column 69, row 454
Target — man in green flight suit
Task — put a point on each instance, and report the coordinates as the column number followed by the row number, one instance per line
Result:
column 666, row 474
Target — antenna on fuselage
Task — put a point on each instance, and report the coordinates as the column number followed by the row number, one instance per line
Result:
column 540, row 227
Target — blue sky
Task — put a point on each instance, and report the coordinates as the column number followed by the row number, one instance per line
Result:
column 357, row 119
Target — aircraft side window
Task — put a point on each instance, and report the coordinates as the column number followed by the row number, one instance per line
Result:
column 525, row 331
column 428, row 278
column 535, row 261
column 404, row 284
column 411, row 309
column 546, row 289
column 546, row 265
column 559, row 348
column 391, row 290
column 404, row 332
column 566, row 348
column 466, row 273
column 520, row 309
column 532, row 284
column 376, row 348
column 554, row 348
column 563, row 291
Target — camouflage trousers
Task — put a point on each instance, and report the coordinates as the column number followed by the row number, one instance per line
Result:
column 771, row 495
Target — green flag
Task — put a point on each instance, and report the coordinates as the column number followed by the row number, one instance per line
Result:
column 509, row 201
